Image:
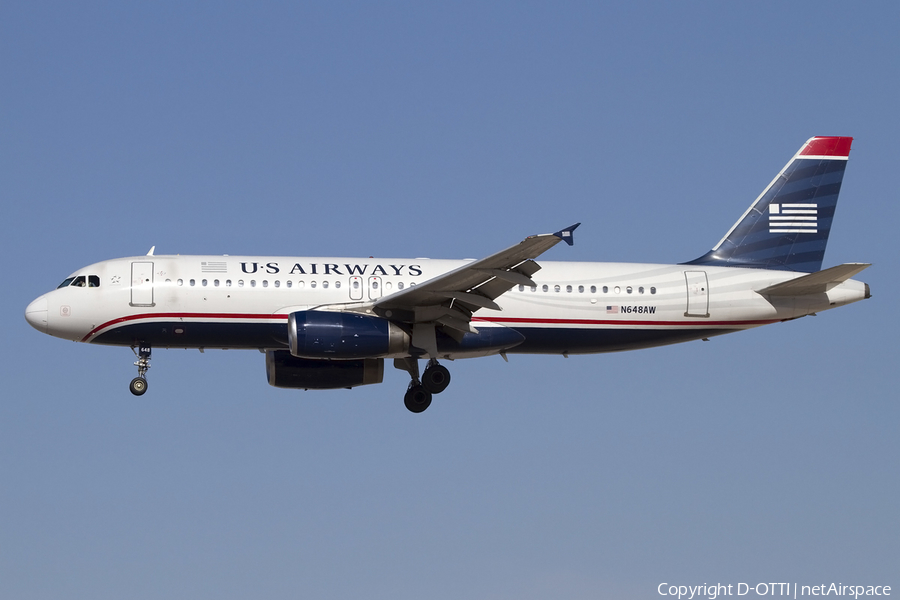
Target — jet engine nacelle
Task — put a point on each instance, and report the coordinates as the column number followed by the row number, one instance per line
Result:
column 344, row 335
column 286, row 371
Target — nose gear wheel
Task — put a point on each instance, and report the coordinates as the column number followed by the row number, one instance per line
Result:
column 138, row 385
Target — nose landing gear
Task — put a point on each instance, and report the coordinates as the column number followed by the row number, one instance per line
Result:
column 138, row 385
column 434, row 380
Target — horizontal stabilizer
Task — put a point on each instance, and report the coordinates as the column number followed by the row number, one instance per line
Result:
column 815, row 283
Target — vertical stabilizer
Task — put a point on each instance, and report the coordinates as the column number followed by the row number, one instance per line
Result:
column 787, row 227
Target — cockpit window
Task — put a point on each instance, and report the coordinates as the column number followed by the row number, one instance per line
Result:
column 81, row 281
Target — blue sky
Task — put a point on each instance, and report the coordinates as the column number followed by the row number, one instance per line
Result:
column 450, row 131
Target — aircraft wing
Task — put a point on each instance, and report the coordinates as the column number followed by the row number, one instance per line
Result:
column 451, row 298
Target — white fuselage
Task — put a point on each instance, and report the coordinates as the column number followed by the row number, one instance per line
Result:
column 575, row 307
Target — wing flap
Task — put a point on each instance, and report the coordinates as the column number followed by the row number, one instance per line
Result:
column 815, row 283
column 470, row 298
column 512, row 276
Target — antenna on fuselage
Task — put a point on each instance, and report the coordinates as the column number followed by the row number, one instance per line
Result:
column 152, row 248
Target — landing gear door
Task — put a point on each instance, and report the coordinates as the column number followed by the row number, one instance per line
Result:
column 142, row 284
column 374, row 287
column 697, row 294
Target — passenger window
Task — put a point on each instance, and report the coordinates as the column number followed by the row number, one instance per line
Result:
column 629, row 289
column 605, row 289
column 216, row 282
column 204, row 283
column 641, row 290
column 227, row 283
column 240, row 283
column 534, row 288
column 93, row 281
column 400, row 285
column 617, row 289
column 569, row 288
column 265, row 283
column 652, row 290
column 580, row 289
column 325, row 284
column 387, row 285
column 355, row 284
column 277, row 283
column 288, row 283
column 337, row 284
column 312, row 284
column 252, row 283
column 301, row 284
column 545, row 287
column 193, row 283
column 180, row 282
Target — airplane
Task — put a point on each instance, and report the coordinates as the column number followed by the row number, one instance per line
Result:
column 329, row 323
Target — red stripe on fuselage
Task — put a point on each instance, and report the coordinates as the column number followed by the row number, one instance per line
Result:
column 527, row 321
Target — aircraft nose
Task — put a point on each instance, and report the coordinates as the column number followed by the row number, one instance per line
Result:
column 36, row 314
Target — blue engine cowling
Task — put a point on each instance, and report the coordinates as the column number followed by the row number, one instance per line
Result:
column 340, row 335
column 286, row 371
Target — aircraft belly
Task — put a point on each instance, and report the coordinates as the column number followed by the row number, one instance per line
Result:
column 188, row 334
column 539, row 340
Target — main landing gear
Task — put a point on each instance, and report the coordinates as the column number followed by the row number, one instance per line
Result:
column 436, row 377
column 138, row 385
column 435, row 380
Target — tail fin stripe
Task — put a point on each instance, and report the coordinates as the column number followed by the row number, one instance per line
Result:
column 834, row 147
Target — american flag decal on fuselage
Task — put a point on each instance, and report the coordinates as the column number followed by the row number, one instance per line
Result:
column 793, row 218
column 213, row 266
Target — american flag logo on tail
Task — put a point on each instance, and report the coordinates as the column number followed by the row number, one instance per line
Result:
column 793, row 218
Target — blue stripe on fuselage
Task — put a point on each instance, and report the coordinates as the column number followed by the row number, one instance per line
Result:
column 538, row 340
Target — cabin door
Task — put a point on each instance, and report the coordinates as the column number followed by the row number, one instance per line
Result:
column 356, row 288
column 697, row 294
column 374, row 287
column 142, row 284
